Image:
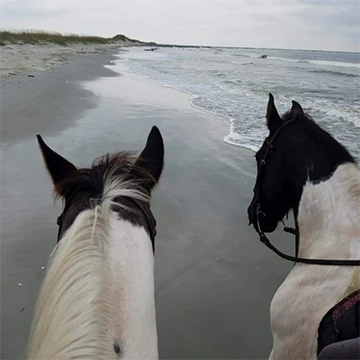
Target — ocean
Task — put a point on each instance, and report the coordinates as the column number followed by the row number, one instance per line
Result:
column 234, row 83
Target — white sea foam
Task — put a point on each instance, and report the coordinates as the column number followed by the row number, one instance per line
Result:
column 237, row 140
column 334, row 63
column 219, row 82
column 319, row 62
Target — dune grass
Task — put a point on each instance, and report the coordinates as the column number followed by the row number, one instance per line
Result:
column 42, row 37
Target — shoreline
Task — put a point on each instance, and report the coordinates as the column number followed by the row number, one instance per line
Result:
column 210, row 267
column 228, row 139
column 235, row 84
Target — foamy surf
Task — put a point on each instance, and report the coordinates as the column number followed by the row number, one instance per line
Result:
column 234, row 85
column 237, row 140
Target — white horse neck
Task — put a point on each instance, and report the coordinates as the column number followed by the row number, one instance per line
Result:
column 97, row 300
column 329, row 216
column 329, row 224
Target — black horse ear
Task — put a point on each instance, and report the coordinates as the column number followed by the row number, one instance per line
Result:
column 272, row 116
column 152, row 158
column 58, row 167
column 296, row 109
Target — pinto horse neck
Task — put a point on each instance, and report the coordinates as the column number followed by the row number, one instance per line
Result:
column 302, row 167
column 97, row 300
column 328, row 218
column 329, row 225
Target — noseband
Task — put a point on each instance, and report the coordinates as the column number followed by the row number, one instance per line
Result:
column 143, row 206
column 258, row 212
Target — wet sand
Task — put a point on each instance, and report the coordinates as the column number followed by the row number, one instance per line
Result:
column 214, row 280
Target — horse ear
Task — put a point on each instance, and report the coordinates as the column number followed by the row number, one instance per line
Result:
column 272, row 116
column 296, row 109
column 58, row 167
column 151, row 158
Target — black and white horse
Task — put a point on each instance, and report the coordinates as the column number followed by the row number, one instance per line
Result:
column 97, row 299
column 303, row 168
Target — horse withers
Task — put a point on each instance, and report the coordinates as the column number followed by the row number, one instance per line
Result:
column 97, row 299
column 303, row 168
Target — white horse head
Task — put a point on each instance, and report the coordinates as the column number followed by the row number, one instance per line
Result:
column 97, row 299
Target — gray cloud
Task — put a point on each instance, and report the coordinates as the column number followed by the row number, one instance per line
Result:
column 322, row 3
column 339, row 19
column 30, row 9
column 311, row 24
column 332, row 12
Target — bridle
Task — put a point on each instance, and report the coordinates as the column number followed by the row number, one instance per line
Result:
column 258, row 212
column 143, row 206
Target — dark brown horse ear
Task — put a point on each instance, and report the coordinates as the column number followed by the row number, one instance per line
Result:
column 58, row 167
column 152, row 158
column 296, row 109
column 272, row 116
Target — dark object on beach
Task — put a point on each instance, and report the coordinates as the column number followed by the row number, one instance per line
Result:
column 22, row 309
column 151, row 49
column 263, row 56
column 31, row 75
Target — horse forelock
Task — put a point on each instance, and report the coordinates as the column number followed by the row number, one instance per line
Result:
column 291, row 116
column 110, row 176
column 105, row 169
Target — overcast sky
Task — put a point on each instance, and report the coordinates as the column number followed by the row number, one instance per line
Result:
column 296, row 24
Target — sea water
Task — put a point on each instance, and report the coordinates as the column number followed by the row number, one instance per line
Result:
column 235, row 82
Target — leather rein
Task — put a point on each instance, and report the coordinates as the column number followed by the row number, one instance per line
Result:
column 258, row 212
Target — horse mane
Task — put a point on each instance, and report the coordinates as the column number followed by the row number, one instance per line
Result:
column 320, row 135
column 352, row 184
column 353, row 283
column 350, row 181
column 71, row 311
column 119, row 165
column 290, row 116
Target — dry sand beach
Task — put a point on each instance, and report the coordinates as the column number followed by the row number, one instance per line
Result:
column 28, row 59
column 214, row 280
